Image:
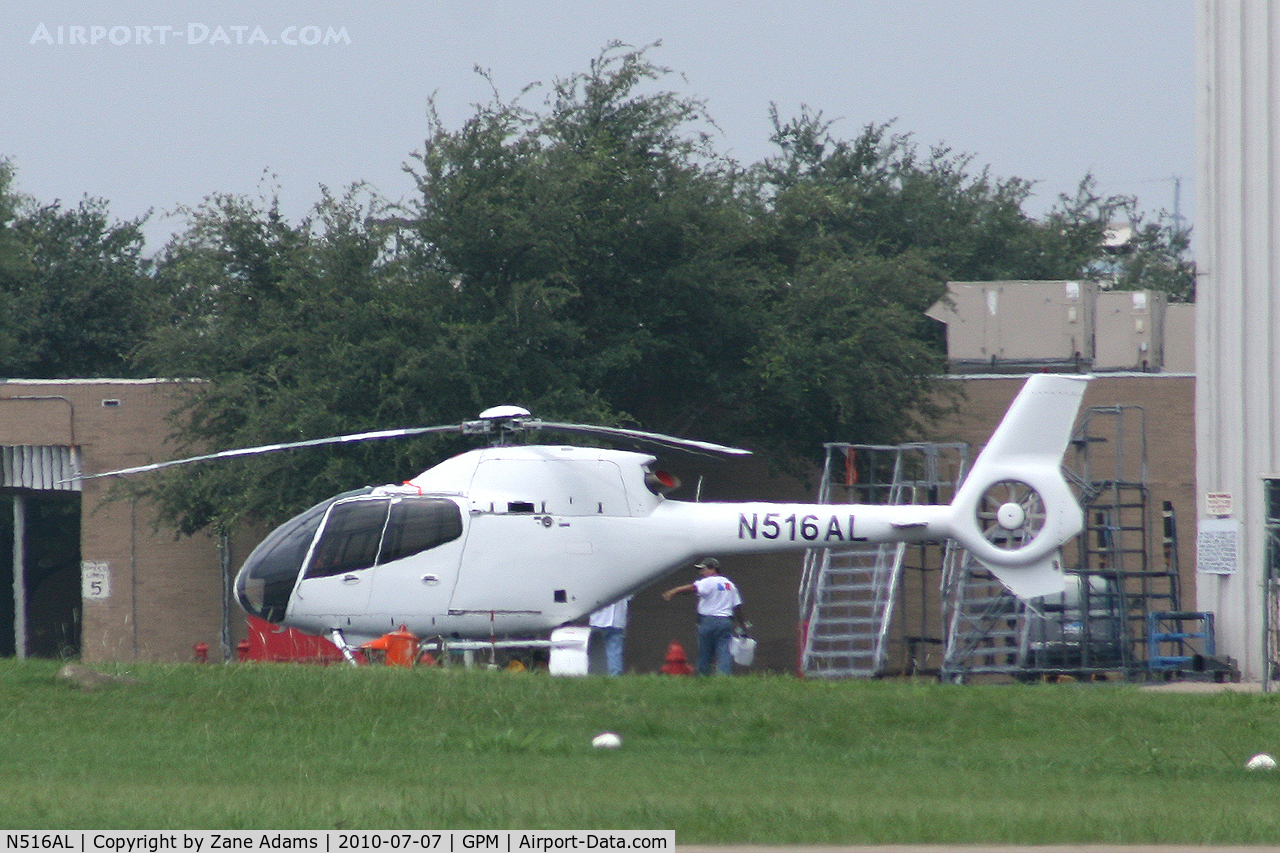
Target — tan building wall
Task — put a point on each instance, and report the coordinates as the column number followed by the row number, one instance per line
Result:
column 1180, row 337
column 995, row 323
column 1129, row 330
column 165, row 592
column 1012, row 326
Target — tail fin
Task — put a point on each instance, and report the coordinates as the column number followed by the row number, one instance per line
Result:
column 1015, row 510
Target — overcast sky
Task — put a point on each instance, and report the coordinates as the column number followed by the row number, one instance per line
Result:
column 225, row 92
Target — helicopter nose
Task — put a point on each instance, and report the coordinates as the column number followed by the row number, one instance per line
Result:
column 267, row 578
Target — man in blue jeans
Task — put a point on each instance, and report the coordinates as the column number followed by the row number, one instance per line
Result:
column 610, row 622
column 719, row 610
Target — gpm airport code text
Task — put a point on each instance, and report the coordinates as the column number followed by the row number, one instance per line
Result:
column 438, row 841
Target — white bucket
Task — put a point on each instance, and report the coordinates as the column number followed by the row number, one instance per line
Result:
column 743, row 650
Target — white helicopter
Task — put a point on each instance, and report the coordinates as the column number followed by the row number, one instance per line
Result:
column 517, row 540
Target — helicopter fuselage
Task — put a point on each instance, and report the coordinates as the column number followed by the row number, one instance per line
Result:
column 513, row 540
column 523, row 539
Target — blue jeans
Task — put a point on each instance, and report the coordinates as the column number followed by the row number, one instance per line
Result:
column 614, row 639
column 714, row 634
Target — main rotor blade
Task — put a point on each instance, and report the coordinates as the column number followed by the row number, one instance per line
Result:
column 271, row 448
column 686, row 444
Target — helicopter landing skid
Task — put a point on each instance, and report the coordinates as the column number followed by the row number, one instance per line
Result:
column 348, row 652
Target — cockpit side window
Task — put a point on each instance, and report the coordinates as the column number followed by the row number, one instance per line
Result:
column 364, row 533
column 417, row 524
column 349, row 541
column 272, row 568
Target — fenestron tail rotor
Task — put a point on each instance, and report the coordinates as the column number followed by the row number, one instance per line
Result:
column 1010, row 514
column 1015, row 509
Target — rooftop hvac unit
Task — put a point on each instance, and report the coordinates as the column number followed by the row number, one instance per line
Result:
column 1003, row 324
column 1130, row 330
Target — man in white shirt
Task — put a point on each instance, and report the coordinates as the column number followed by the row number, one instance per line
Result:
column 719, row 610
column 611, row 622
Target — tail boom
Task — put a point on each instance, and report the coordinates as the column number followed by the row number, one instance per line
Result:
column 1013, row 512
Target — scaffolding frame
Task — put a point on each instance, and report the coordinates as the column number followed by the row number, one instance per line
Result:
column 857, row 621
column 1101, row 624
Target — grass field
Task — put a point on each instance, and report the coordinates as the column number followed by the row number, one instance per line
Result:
column 750, row 759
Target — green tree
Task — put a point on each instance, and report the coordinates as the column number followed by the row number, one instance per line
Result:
column 845, row 355
column 74, row 286
column 1107, row 239
column 1158, row 257
column 592, row 258
column 588, row 262
column 88, row 301
column 14, row 265
column 598, row 248
column 859, row 237
column 298, row 331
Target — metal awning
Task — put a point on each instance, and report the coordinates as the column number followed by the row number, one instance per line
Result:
column 40, row 467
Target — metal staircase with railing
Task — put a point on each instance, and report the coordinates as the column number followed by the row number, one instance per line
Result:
column 857, row 620
column 986, row 624
column 849, row 596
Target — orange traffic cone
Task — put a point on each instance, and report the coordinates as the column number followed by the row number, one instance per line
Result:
column 676, row 662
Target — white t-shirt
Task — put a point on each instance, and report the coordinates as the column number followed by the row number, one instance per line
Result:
column 610, row 616
column 717, row 596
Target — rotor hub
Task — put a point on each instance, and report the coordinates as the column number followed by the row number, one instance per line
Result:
column 1011, row 516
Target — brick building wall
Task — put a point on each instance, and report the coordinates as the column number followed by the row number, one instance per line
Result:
column 164, row 593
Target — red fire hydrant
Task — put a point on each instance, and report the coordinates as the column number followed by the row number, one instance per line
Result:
column 402, row 647
column 676, row 662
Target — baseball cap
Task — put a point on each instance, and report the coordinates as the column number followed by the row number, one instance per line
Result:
column 707, row 563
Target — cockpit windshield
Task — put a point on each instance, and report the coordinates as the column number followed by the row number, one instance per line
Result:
column 267, row 578
column 359, row 532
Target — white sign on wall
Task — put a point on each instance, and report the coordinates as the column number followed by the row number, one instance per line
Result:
column 1217, row 503
column 95, row 580
column 1217, row 546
